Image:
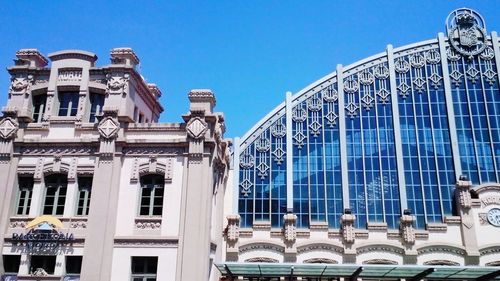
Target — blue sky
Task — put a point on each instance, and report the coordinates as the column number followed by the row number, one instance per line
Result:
column 248, row 52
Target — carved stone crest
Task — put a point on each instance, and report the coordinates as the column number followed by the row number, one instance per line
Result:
column 108, row 127
column 8, row 128
column 117, row 84
column 466, row 32
column 196, row 128
column 20, row 84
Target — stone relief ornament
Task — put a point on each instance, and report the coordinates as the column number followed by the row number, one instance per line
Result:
column 290, row 230
column 348, row 232
column 406, row 228
column 233, row 229
column 466, row 32
column 108, row 127
column 20, row 84
column 8, row 128
column 116, row 83
column 196, row 128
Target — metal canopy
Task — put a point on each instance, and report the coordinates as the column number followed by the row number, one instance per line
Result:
column 409, row 272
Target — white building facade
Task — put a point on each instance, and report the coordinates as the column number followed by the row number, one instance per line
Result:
column 93, row 187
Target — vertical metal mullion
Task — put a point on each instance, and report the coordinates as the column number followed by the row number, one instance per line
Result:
column 289, row 152
column 496, row 50
column 377, row 131
column 449, row 107
column 362, row 134
column 490, row 134
column 431, row 115
column 308, row 162
column 471, row 120
column 323, row 145
column 236, row 176
column 403, row 197
column 422, row 188
column 254, row 167
column 342, row 138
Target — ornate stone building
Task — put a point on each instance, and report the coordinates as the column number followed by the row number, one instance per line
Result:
column 93, row 187
column 388, row 168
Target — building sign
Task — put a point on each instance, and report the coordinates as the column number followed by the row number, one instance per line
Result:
column 490, row 200
column 43, row 235
column 69, row 75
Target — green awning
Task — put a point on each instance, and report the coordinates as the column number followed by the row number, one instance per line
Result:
column 409, row 272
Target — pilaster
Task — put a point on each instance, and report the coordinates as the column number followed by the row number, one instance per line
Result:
column 8, row 174
column 196, row 207
column 102, row 217
column 464, row 205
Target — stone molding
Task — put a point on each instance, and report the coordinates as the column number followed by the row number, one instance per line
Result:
column 262, row 259
column 261, row 245
column 321, row 260
column 153, row 223
column 379, row 261
column 145, row 242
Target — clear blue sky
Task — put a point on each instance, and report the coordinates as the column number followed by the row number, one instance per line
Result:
column 248, row 52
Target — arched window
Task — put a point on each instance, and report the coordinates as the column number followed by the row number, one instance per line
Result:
column 151, row 203
column 55, row 194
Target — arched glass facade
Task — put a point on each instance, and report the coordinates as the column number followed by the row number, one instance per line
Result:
column 389, row 133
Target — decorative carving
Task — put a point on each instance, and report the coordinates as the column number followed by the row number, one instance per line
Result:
column 366, row 77
column 78, row 224
column 433, row 57
column 8, row 128
column 330, row 94
column 18, row 223
column 148, row 224
column 108, row 127
column 141, row 151
column 442, row 262
column 381, row 71
column 279, row 129
column 348, row 233
column 246, row 186
column 466, row 32
column 169, row 170
column 483, row 218
column 246, row 161
column 134, row 175
column 380, row 261
column 487, row 54
column 351, row 85
column 262, row 259
column 401, row 65
column 196, row 128
column 232, row 231
column 290, row 230
column 463, row 194
column 39, row 272
column 299, row 114
column 262, row 144
column 38, row 170
column 72, row 170
column 117, row 84
column 52, row 150
column 321, row 260
column 314, row 104
column 20, row 85
column 406, row 229
column 417, row 60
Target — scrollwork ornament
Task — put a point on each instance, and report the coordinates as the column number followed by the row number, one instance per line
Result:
column 366, row 77
column 487, row 54
column 330, row 94
column 417, row 60
column 262, row 145
column 401, row 65
column 351, row 85
column 433, row 57
column 278, row 130
column 299, row 115
column 381, row 71
column 246, row 161
column 314, row 104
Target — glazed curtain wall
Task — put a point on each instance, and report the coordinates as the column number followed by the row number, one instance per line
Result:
column 377, row 137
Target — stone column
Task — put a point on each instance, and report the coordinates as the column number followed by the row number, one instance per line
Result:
column 8, row 174
column 98, row 251
column 194, row 231
column 464, row 204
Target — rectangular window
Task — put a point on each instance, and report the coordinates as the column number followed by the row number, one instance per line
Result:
column 68, row 103
column 151, row 195
column 55, row 194
column 11, row 264
column 73, row 265
column 84, row 193
column 41, row 264
column 144, row 268
column 96, row 104
column 39, row 107
column 141, row 117
column 25, row 184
